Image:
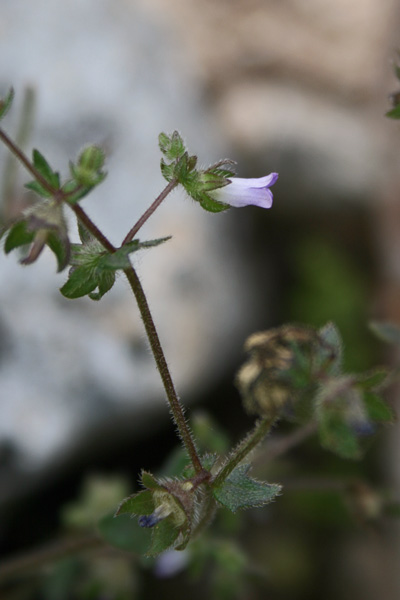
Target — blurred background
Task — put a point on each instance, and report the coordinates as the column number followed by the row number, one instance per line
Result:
column 300, row 88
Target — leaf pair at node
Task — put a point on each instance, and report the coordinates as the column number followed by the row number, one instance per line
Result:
column 94, row 269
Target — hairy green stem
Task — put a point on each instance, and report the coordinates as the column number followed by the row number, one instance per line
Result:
column 262, row 427
column 174, row 402
column 131, row 234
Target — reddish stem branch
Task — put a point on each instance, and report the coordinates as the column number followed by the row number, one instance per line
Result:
column 131, row 234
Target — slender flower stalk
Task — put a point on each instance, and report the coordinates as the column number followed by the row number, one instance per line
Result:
column 131, row 234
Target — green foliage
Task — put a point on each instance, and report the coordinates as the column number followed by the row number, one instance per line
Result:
column 124, row 533
column 5, row 103
column 241, row 491
column 43, row 167
column 293, row 372
column 178, row 165
column 18, row 235
column 167, row 507
column 172, row 146
column 94, row 268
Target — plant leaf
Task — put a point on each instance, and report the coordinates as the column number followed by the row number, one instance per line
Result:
column 35, row 186
column 210, row 204
column 124, row 533
column 164, row 535
column 81, row 281
column 19, row 235
column 240, row 491
column 41, row 165
column 61, row 249
column 141, row 503
column 377, row 409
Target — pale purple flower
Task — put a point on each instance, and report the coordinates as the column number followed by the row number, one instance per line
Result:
column 243, row 192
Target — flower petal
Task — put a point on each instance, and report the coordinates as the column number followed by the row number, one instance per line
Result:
column 244, row 192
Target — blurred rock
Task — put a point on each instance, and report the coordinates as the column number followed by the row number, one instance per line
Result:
column 299, row 86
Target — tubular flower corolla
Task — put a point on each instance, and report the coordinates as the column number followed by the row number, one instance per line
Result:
column 244, row 192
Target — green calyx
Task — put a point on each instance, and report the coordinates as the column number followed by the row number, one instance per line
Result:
column 177, row 164
column 167, row 508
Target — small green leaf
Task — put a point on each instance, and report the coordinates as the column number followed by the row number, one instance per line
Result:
column 210, row 204
column 377, row 409
column 154, row 243
column 19, row 235
column 119, row 259
column 5, row 104
column 172, row 146
column 150, row 482
column 35, row 186
column 167, row 171
column 240, row 491
column 43, row 167
column 81, row 282
column 163, row 537
column 124, row 533
column 84, row 234
column 338, row 437
column 104, row 284
column 60, row 248
column 373, row 379
column 141, row 503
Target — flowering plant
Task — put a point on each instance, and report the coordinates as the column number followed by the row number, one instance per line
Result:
column 293, row 373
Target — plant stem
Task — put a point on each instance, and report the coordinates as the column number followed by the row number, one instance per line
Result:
column 91, row 227
column 174, row 402
column 131, row 234
column 25, row 161
column 248, row 444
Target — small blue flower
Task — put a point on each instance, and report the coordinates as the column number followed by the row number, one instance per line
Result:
column 244, row 192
